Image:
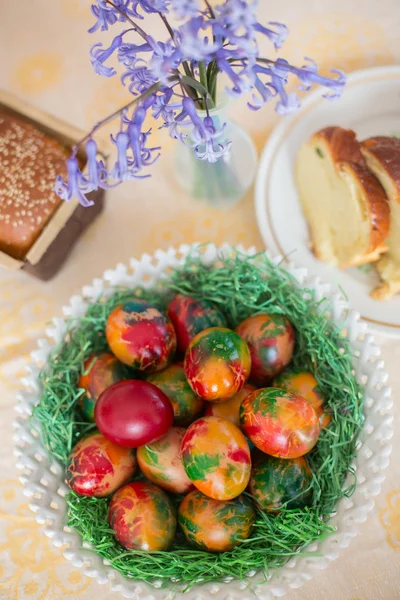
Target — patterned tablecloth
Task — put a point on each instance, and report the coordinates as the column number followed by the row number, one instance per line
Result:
column 44, row 59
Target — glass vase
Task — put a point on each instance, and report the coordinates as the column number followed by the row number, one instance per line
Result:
column 226, row 181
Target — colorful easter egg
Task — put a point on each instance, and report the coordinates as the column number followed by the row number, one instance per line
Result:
column 97, row 467
column 142, row 517
column 161, row 462
column 217, row 364
column 190, row 316
column 216, row 457
column 132, row 413
column 279, row 423
column 229, row 409
column 99, row 373
column 141, row 336
column 304, row 384
column 186, row 404
column 214, row 525
column 278, row 481
column 271, row 341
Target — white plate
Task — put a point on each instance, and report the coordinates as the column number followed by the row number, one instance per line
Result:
column 370, row 105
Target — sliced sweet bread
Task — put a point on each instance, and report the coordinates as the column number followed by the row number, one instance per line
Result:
column 382, row 155
column 344, row 204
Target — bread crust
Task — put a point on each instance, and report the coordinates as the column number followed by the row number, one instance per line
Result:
column 345, row 153
column 386, row 151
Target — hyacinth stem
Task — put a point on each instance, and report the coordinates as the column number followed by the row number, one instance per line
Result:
column 137, row 27
column 154, row 88
column 210, row 10
column 185, row 65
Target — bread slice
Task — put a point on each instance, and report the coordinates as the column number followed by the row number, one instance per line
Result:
column 345, row 205
column 382, row 155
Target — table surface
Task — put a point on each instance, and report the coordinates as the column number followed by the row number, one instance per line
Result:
column 44, row 59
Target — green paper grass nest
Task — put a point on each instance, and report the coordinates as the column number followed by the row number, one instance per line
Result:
column 240, row 286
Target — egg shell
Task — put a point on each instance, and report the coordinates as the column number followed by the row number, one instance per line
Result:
column 143, row 518
column 216, row 458
column 161, row 462
column 141, row 336
column 97, row 467
column 100, row 372
column 214, row 525
column 133, row 412
column 229, row 409
column 217, row 364
column 271, row 340
column 304, row 384
column 278, row 481
column 190, row 316
column 279, row 423
column 186, row 404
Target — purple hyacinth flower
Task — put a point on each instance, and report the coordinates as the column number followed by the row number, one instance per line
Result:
column 121, row 170
column 277, row 37
column 97, row 173
column 100, row 55
column 210, row 153
column 107, row 15
column 184, row 9
column 73, row 187
column 128, row 53
column 308, row 75
column 234, row 15
column 163, row 108
column 166, row 59
column 148, row 6
column 141, row 79
column 193, row 44
column 287, row 103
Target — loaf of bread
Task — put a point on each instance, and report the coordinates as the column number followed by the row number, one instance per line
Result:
column 29, row 164
column 344, row 203
column 382, row 155
column 30, row 160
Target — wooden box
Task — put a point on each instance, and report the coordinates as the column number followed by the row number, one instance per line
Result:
column 58, row 237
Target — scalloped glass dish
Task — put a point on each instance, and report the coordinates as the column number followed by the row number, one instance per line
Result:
column 43, row 478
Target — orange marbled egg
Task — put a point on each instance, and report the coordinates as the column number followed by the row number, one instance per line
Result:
column 279, row 423
column 214, row 525
column 97, row 467
column 216, row 458
column 142, row 517
column 229, row 409
column 304, row 384
column 161, row 462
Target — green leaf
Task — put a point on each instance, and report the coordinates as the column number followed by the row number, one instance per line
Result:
column 196, row 85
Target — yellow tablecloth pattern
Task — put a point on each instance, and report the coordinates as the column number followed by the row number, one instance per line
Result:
column 44, row 59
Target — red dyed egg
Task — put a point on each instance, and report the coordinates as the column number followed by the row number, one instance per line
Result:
column 141, row 336
column 271, row 341
column 304, row 384
column 100, row 372
column 133, row 413
column 217, row 364
column 190, row 316
column 97, row 467
column 142, row 517
column 279, row 423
